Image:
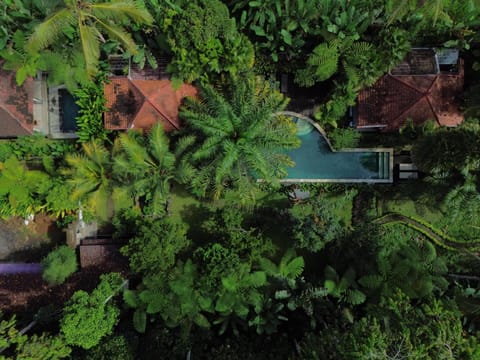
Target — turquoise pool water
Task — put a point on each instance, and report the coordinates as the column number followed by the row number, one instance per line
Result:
column 68, row 111
column 315, row 160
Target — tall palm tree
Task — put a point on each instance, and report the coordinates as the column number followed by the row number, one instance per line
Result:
column 91, row 175
column 236, row 137
column 146, row 165
column 90, row 20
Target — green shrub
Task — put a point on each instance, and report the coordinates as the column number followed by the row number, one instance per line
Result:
column 344, row 138
column 5, row 150
column 91, row 100
column 35, row 146
column 111, row 348
column 59, row 264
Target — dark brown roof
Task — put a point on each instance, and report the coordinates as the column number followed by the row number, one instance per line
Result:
column 16, row 105
column 394, row 99
column 418, row 62
column 139, row 104
column 105, row 256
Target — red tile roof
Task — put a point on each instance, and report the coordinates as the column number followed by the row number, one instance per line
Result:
column 16, row 105
column 139, row 104
column 394, row 99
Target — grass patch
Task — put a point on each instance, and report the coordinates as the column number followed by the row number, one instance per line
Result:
column 275, row 199
column 413, row 209
column 187, row 209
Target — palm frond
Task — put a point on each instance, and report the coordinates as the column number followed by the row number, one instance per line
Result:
column 49, row 31
column 397, row 9
column 226, row 162
column 134, row 150
column 268, row 266
column 123, row 10
column 158, row 141
column 89, row 39
column 119, row 34
column 434, row 10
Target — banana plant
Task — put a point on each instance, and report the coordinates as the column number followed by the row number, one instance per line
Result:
column 280, row 26
column 178, row 299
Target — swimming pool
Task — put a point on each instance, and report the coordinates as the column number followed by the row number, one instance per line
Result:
column 68, row 111
column 315, row 161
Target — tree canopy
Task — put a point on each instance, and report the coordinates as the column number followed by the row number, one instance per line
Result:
column 236, row 137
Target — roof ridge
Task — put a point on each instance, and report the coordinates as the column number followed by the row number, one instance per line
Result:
column 407, row 84
column 129, row 81
column 421, row 97
column 147, row 99
column 427, row 96
column 412, row 105
column 21, row 123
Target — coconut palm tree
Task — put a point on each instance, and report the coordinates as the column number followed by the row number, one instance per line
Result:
column 21, row 189
column 91, row 175
column 147, row 166
column 236, row 137
column 91, row 20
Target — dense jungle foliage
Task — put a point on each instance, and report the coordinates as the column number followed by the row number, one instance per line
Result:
column 222, row 266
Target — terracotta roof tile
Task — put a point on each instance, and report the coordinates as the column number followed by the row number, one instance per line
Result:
column 139, row 104
column 394, row 99
column 16, row 105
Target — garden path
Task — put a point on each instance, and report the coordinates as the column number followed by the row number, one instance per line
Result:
column 433, row 234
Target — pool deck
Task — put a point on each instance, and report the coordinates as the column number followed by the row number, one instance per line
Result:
column 389, row 180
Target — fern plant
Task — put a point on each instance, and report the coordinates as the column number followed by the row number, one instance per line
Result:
column 344, row 287
column 289, row 268
column 322, row 64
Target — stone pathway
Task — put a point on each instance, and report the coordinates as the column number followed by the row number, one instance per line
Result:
column 7, row 241
column 434, row 235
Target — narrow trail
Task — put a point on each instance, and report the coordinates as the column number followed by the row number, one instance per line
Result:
column 433, row 234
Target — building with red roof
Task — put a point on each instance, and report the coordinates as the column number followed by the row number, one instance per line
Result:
column 143, row 98
column 425, row 86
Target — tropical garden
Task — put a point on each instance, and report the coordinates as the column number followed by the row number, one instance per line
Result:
column 221, row 265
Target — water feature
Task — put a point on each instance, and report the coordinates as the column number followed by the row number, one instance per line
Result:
column 315, row 161
column 68, row 111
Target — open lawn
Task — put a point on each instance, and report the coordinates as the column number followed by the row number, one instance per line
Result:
column 182, row 206
column 413, row 209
